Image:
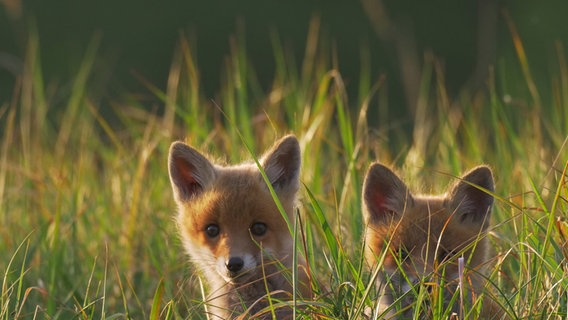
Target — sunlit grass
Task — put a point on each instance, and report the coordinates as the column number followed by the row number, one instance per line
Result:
column 86, row 211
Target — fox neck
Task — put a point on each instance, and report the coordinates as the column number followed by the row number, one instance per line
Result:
column 227, row 299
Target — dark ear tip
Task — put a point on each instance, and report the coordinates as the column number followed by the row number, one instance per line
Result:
column 290, row 141
column 483, row 169
column 289, row 137
column 289, row 144
column 377, row 166
column 481, row 175
column 378, row 170
column 177, row 146
column 379, row 175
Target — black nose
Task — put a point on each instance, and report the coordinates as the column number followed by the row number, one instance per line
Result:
column 235, row 264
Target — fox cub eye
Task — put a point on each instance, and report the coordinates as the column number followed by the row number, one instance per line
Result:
column 212, row 230
column 445, row 255
column 258, row 229
column 403, row 254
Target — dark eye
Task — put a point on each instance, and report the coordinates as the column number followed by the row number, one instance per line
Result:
column 258, row 228
column 444, row 255
column 402, row 254
column 212, row 230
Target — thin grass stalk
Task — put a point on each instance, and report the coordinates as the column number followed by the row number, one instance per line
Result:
column 87, row 301
column 310, row 53
column 31, row 66
column 194, row 116
column 78, row 92
column 522, row 56
column 157, row 301
column 148, row 147
column 6, row 145
column 241, row 77
column 7, row 288
column 172, row 93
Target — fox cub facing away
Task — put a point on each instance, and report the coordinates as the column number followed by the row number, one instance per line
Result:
column 420, row 238
column 233, row 230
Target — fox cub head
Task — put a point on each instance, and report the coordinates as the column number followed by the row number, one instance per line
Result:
column 419, row 233
column 228, row 219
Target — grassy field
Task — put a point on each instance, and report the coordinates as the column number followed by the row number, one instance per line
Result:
column 86, row 209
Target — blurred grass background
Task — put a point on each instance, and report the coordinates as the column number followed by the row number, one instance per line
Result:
column 91, row 99
column 138, row 39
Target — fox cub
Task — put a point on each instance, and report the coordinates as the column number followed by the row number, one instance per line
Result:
column 233, row 230
column 424, row 236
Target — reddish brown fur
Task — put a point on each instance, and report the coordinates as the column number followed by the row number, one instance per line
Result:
column 426, row 234
column 218, row 205
column 425, row 227
column 234, row 198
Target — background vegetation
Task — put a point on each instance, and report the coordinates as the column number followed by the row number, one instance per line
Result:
column 85, row 203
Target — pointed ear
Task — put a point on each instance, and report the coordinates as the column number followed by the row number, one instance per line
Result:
column 384, row 194
column 282, row 164
column 190, row 172
column 472, row 204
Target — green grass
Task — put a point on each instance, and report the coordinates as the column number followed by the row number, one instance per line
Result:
column 86, row 210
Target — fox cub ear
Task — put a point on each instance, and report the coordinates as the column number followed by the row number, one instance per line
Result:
column 472, row 204
column 282, row 164
column 190, row 172
column 384, row 194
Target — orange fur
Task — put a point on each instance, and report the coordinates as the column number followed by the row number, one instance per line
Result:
column 233, row 231
column 425, row 235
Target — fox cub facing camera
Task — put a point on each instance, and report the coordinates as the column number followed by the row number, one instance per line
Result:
column 233, row 230
column 419, row 238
